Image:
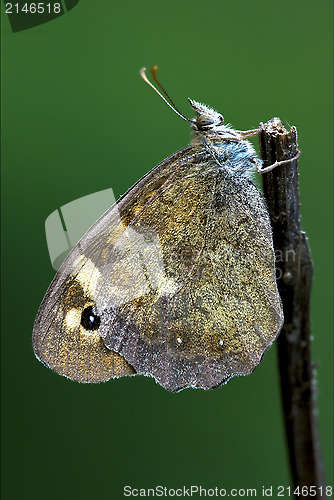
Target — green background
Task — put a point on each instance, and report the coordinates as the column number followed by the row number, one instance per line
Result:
column 78, row 119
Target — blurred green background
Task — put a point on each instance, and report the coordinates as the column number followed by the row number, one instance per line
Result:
column 78, row 119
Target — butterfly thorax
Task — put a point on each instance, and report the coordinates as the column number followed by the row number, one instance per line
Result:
column 224, row 144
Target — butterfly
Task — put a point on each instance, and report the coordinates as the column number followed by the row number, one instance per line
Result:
column 177, row 279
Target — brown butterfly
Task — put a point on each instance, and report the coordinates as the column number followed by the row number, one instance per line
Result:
column 177, row 279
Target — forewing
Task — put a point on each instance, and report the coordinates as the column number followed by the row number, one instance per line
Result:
column 60, row 341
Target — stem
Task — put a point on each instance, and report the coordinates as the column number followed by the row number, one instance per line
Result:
column 294, row 279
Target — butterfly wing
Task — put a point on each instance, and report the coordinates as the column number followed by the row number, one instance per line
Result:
column 62, row 343
column 181, row 275
column 61, row 340
column 211, row 307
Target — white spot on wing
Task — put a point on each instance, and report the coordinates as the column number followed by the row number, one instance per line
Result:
column 88, row 277
column 73, row 318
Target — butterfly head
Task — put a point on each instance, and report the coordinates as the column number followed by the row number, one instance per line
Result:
column 207, row 119
column 209, row 124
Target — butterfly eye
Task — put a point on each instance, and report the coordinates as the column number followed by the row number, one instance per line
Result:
column 204, row 121
column 89, row 320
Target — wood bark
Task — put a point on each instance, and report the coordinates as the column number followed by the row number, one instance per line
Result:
column 294, row 279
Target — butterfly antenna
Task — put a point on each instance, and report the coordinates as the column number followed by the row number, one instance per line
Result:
column 154, row 75
column 170, row 103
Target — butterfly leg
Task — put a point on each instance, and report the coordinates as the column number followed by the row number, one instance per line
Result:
column 248, row 133
column 210, row 150
column 276, row 164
